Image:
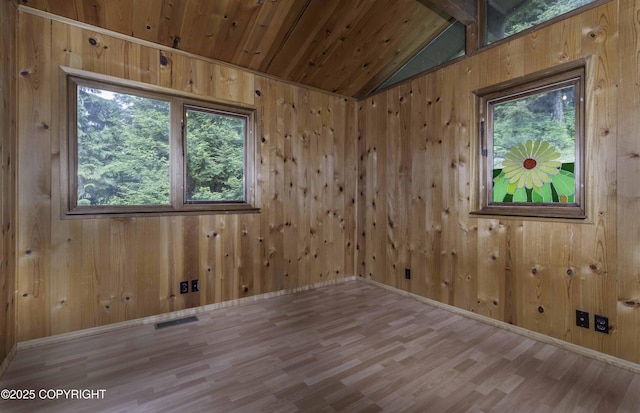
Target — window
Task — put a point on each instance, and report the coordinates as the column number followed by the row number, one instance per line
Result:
column 532, row 147
column 507, row 17
column 136, row 151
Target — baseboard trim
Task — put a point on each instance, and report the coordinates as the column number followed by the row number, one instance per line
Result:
column 7, row 360
column 58, row 338
column 565, row 345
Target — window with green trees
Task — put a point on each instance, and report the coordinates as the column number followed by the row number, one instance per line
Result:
column 214, row 150
column 532, row 147
column 507, row 17
column 139, row 151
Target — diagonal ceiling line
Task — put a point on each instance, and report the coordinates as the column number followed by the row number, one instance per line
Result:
column 289, row 32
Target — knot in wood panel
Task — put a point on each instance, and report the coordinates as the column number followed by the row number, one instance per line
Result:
column 598, row 35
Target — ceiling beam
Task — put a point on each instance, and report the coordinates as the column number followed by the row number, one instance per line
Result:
column 464, row 11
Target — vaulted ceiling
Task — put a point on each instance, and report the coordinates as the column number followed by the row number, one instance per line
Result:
column 343, row 46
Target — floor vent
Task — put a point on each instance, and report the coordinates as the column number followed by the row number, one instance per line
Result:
column 176, row 322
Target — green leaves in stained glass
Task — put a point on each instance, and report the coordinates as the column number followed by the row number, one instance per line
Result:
column 561, row 189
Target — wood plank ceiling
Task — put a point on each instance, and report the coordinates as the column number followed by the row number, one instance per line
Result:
column 346, row 47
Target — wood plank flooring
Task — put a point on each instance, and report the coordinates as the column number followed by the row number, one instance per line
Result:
column 352, row 347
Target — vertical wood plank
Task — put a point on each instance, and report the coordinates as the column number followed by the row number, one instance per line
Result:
column 191, row 254
column 337, row 151
column 464, row 131
column 8, row 157
column 391, row 228
column 351, row 188
column 66, row 236
column 302, row 152
column 628, row 193
column 315, row 176
column 34, row 165
column 270, row 197
column 327, row 215
column 450, row 177
column 122, row 275
column 417, row 214
column 287, row 112
column 145, row 279
column 364, row 185
column 276, row 165
column 435, row 187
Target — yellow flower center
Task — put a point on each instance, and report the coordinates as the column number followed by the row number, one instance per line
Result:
column 529, row 163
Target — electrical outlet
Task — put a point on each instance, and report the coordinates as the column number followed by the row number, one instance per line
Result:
column 194, row 286
column 582, row 319
column 407, row 273
column 601, row 323
column 184, row 287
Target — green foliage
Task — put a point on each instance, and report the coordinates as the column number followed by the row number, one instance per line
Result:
column 564, row 183
column 123, row 152
column 215, row 157
column 123, row 149
column 560, row 189
column 548, row 116
column 535, row 12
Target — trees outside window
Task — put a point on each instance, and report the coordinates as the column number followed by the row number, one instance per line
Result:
column 508, row 17
column 134, row 151
column 215, row 161
column 122, row 149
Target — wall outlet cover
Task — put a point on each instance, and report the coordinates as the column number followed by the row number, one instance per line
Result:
column 601, row 323
column 582, row 319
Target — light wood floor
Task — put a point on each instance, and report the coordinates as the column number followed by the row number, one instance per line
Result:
column 352, row 347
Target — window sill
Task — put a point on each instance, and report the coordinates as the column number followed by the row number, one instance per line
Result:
column 113, row 212
column 550, row 214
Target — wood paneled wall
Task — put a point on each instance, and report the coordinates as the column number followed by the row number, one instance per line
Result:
column 81, row 273
column 418, row 170
column 7, row 177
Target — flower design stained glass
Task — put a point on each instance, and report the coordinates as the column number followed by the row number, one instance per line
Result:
column 534, row 148
column 532, row 145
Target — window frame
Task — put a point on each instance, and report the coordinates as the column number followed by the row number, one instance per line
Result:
column 509, row 91
column 178, row 104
